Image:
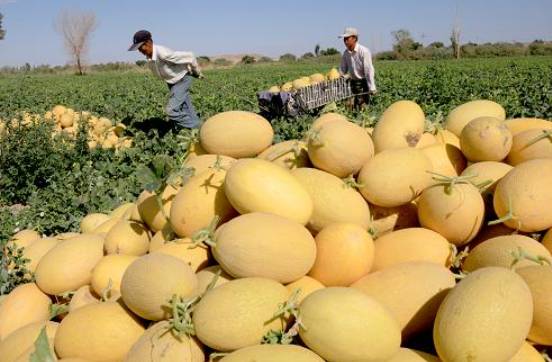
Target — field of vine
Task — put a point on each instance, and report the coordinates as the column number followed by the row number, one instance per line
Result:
column 109, row 219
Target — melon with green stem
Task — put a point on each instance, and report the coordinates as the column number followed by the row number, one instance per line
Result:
column 453, row 207
column 522, row 198
column 508, row 251
column 239, row 313
column 340, row 148
column 334, row 199
column 529, row 145
column 395, row 177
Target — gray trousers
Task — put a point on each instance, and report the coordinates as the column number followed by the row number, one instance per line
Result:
column 180, row 110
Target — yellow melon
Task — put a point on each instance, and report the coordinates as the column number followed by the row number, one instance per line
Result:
column 127, row 238
column 23, row 338
column 525, row 192
column 411, row 244
column 446, row 159
column 160, row 343
column 344, row 254
column 150, row 282
column 236, row 134
column 197, row 258
column 485, row 139
column 149, row 210
column 273, row 353
column 107, row 274
column 24, row 305
column 502, row 251
column 304, row 286
column 387, row 219
column 412, row 291
column 198, row 202
column 68, row 266
column 340, row 148
column 207, row 162
column 395, row 177
column 99, row 332
column 285, row 252
column 344, row 324
column 334, row 201
column 460, row 116
column 531, row 144
column 288, row 154
column 239, row 313
column 206, row 275
column 37, row 250
column 518, row 125
column 486, row 173
column 539, row 280
column 255, row 185
column 456, row 212
column 83, row 296
column 495, row 295
column 401, row 125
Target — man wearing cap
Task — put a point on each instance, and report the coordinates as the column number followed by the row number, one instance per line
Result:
column 356, row 62
column 177, row 69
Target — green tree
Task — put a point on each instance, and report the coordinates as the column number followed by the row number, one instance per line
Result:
column 330, row 51
column 307, row 55
column 437, row 45
column 288, row 57
column 141, row 62
column 248, row 59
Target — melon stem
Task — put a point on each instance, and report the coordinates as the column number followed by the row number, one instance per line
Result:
column 545, row 134
column 521, row 254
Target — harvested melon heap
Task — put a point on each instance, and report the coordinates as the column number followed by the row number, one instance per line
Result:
column 102, row 132
column 305, row 81
column 352, row 244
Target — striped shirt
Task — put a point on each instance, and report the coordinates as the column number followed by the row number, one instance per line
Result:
column 358, row 64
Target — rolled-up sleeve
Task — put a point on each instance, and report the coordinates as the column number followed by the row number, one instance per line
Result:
column 369, row 71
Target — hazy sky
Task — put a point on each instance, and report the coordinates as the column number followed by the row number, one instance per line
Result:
column 266, row 27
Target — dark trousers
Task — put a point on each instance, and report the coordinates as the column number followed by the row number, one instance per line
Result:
column 360, row 87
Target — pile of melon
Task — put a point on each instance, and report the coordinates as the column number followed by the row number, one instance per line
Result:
column 102, row 132
column 352, row 244
column 306, row 81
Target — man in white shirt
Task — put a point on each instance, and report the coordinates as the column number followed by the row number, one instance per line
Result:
column 357, row 63
column 177, row 69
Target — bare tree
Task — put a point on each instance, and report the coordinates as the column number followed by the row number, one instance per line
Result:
column 2, row 31
column 75, row 27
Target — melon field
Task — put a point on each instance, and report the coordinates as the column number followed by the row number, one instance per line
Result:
column 419, row 229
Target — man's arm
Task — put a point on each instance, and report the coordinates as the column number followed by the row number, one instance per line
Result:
column 343, row 67
column 178, row 57
column 369, row 71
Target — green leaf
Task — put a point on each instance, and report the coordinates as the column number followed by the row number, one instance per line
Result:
column 42, row 351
